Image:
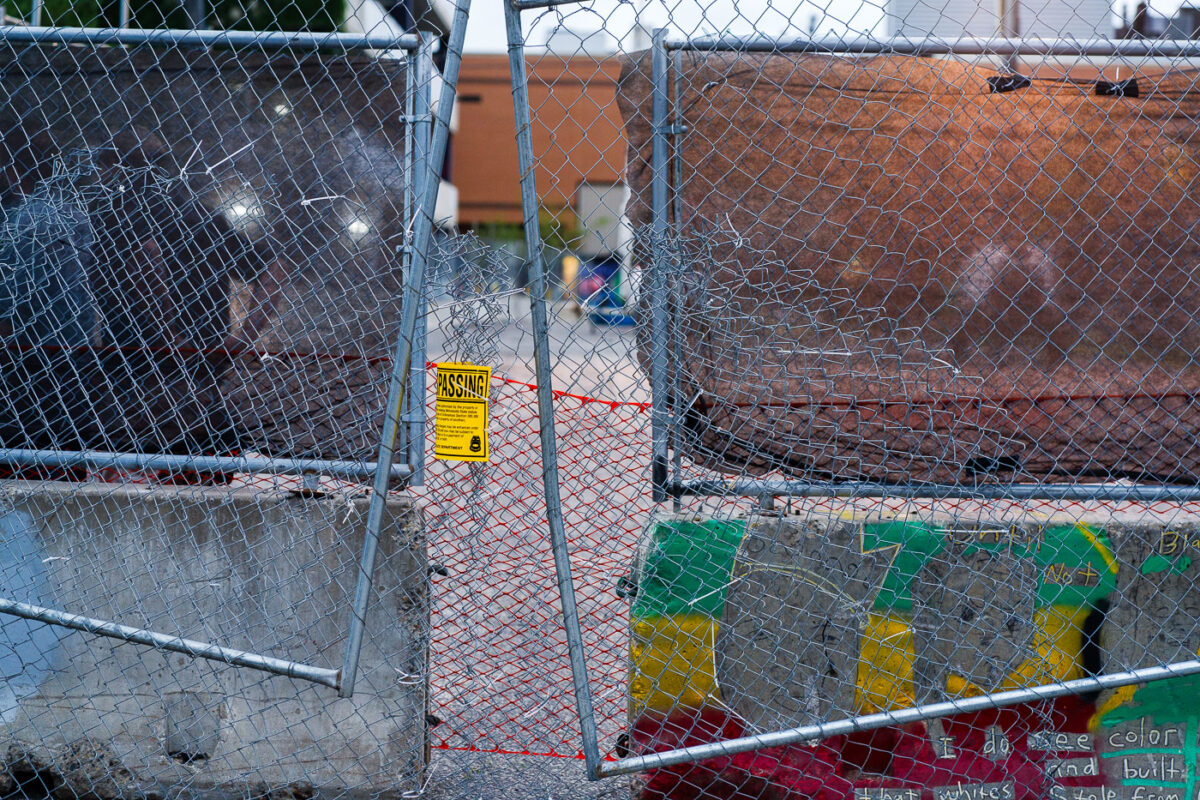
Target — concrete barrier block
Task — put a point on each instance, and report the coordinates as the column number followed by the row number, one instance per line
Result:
column 265, row 571
column 788, row 644
column 973, row 612
column 1052, row 591
column 1147, row 734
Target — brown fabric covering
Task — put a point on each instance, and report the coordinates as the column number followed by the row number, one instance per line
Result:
column 289, row 351
column 1044, row 237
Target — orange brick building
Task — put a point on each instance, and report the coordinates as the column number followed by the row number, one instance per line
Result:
column 577, row 134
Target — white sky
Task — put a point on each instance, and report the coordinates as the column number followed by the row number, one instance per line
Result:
column 485, row 32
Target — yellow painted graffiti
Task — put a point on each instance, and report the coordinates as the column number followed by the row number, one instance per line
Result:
column 672, row 661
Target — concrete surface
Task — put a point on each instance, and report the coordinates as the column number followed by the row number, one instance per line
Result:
column 777, row 602
column 267, row 571
column 973, row 610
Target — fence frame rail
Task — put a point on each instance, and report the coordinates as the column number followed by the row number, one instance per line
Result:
column 937, row 46
column 425, row 146
column 543, row 370
column 918, row 713
column 666, row 473
column 665, row 129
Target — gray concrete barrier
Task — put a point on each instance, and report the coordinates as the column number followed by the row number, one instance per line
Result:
column 270, row 572
column 834, row 608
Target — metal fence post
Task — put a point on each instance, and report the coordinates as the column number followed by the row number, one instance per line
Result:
column 404, row 250
column 676, row 196
column 418, row 378
column 659, row 357
column 422, row 144
column 417, row 123
column 402, row 363
column 545, row 395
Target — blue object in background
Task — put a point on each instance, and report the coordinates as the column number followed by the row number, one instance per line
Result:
column 27, row 648
column 598, row 285
column 600, row 291
column 47, row 318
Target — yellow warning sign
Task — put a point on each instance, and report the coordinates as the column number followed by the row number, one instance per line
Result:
column 461, row 420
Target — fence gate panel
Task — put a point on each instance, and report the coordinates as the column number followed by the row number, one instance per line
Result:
column 903, row 500
column 212, row 267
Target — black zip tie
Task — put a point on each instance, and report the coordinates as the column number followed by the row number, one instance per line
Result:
column 1125, row 88
column 999, row 84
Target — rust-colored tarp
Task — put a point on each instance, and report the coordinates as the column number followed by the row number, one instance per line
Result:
column 1041, row 240
column 292, row 358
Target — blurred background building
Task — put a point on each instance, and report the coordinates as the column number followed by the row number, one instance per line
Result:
column 580, row 174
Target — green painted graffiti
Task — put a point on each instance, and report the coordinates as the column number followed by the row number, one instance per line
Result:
column 687, row 563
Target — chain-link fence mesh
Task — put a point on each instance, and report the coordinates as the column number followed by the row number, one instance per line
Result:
column 872, row 381
column 208, row 243
column 901, row 417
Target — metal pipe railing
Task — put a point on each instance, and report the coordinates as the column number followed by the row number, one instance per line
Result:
column 398, row 389
column 661, row 420
column 100, row 459
column 544, row 372
column 920, row 713
column 934, row 491
column 174, row 644
column 932, row 46
column 271, row 40
column 409, row 342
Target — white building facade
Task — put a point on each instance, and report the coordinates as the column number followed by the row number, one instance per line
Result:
column 1039, row 19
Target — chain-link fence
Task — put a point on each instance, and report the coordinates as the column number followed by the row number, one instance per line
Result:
column 212, row 254
column 845, row 449
column 903, row 417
